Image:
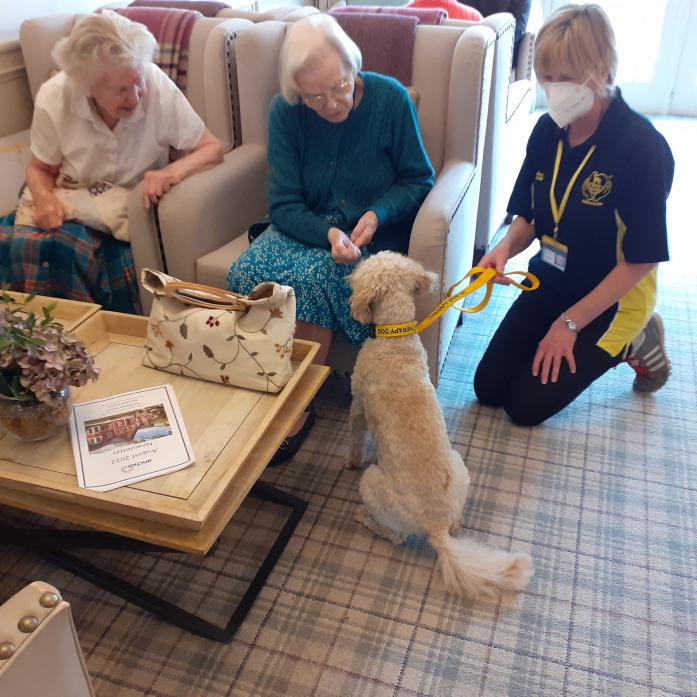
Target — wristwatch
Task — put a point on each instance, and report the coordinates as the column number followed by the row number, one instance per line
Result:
column 570, row 324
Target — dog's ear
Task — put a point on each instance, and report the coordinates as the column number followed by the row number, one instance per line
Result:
column 425, row 282
column 360, row 304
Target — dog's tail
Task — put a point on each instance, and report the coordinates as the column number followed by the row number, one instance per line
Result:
column 473, row 569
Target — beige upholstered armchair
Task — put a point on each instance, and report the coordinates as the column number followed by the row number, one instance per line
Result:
column 40, row 654
column 204, row 225
column 210, row 89
column 512, row 99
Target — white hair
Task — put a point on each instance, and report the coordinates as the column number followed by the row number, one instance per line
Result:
column 308, row 38
column 102, row 41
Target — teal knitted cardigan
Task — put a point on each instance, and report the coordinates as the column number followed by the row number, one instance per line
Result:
column 374, row 160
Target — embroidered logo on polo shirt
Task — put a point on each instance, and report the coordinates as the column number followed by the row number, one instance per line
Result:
column 539, row 176
column 595, row 188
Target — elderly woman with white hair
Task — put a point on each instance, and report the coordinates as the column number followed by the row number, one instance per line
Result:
column 592, row 191
column 347, row 175
column 107, row 119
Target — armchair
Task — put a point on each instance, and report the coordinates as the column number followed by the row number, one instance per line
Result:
column 451, row 74
column 210, row 89
column 512, row 97
column 39, row 650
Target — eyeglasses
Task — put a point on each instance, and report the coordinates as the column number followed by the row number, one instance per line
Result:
column 341, row 89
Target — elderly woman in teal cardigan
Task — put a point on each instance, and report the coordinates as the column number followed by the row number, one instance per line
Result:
column 347, row 175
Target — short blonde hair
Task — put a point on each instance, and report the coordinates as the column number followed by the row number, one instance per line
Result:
column 100, row 41
column 579, row 40
column 305, row 40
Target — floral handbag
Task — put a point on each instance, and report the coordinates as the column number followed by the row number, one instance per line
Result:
column 217, row 335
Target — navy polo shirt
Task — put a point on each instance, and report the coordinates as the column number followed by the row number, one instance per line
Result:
column 617, row 207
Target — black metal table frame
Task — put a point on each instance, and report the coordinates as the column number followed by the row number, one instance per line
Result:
column 36, row 540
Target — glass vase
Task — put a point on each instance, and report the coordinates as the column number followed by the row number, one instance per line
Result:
column 32, row 420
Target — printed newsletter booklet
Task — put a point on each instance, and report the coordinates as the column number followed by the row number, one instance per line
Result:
column 129, row 437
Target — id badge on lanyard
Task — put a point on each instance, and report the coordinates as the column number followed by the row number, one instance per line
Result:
column 554, row 252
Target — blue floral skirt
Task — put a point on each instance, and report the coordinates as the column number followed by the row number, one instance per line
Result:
column 73, row 261
column 320, row 285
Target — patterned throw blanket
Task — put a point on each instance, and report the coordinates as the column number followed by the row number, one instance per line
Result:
column 208, row 8
column 172, row 29
column 386, row 42
column 425, row 15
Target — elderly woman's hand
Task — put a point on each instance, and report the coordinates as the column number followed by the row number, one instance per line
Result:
column 48, row 211
column 157, row 182
column 343, row 250
column 365, row 229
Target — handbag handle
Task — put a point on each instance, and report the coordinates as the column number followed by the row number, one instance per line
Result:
column 198, row 295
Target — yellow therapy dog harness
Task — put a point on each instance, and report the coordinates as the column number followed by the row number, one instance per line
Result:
column 484, row 277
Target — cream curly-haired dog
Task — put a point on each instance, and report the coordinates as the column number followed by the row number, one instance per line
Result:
column 420, row 484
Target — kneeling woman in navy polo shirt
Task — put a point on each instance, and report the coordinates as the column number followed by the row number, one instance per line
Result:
column 593, row 191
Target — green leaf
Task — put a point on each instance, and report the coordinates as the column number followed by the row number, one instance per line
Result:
column 271, row 374
column 230, row 338
column 263, row 331
column 240, row 337
column 261, row 374
column 254, row 353
column 33, row 341
column 184, row 330
column 207, row 351
column 48, row 314
column 191, row 356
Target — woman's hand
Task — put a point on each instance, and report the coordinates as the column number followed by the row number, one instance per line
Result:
column 558, row 343
column 365, row 229
column 48, row 211
column 496, row 259
column 343, row 250
column 157, row 182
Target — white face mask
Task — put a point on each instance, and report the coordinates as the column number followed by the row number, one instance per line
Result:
column 568, row 101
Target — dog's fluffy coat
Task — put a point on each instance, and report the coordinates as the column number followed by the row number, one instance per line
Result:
column 420, row 484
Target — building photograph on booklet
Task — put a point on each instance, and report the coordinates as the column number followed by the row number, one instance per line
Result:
column 127, row 438
column 134, row 426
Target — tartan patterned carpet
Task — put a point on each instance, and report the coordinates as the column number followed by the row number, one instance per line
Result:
column 603, row 496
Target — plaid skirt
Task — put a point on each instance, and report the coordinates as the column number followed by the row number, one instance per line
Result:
column 73, row 261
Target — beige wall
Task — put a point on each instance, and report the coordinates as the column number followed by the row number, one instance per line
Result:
column 14, row 90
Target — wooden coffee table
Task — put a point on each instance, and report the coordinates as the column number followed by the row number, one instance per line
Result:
column 70, row 313
column 234, row 433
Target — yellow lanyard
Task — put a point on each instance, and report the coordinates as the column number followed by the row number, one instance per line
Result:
column 558, row 211
column 484, row 277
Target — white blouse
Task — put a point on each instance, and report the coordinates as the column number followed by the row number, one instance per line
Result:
column 67, row 131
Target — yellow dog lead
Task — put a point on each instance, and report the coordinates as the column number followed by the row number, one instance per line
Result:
column 484, row 277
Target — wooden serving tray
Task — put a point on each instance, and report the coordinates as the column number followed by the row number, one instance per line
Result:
column 233, row 431
column 70, row 313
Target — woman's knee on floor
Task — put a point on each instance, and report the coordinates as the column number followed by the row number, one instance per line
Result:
column 524, row 416
column 487, row 388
